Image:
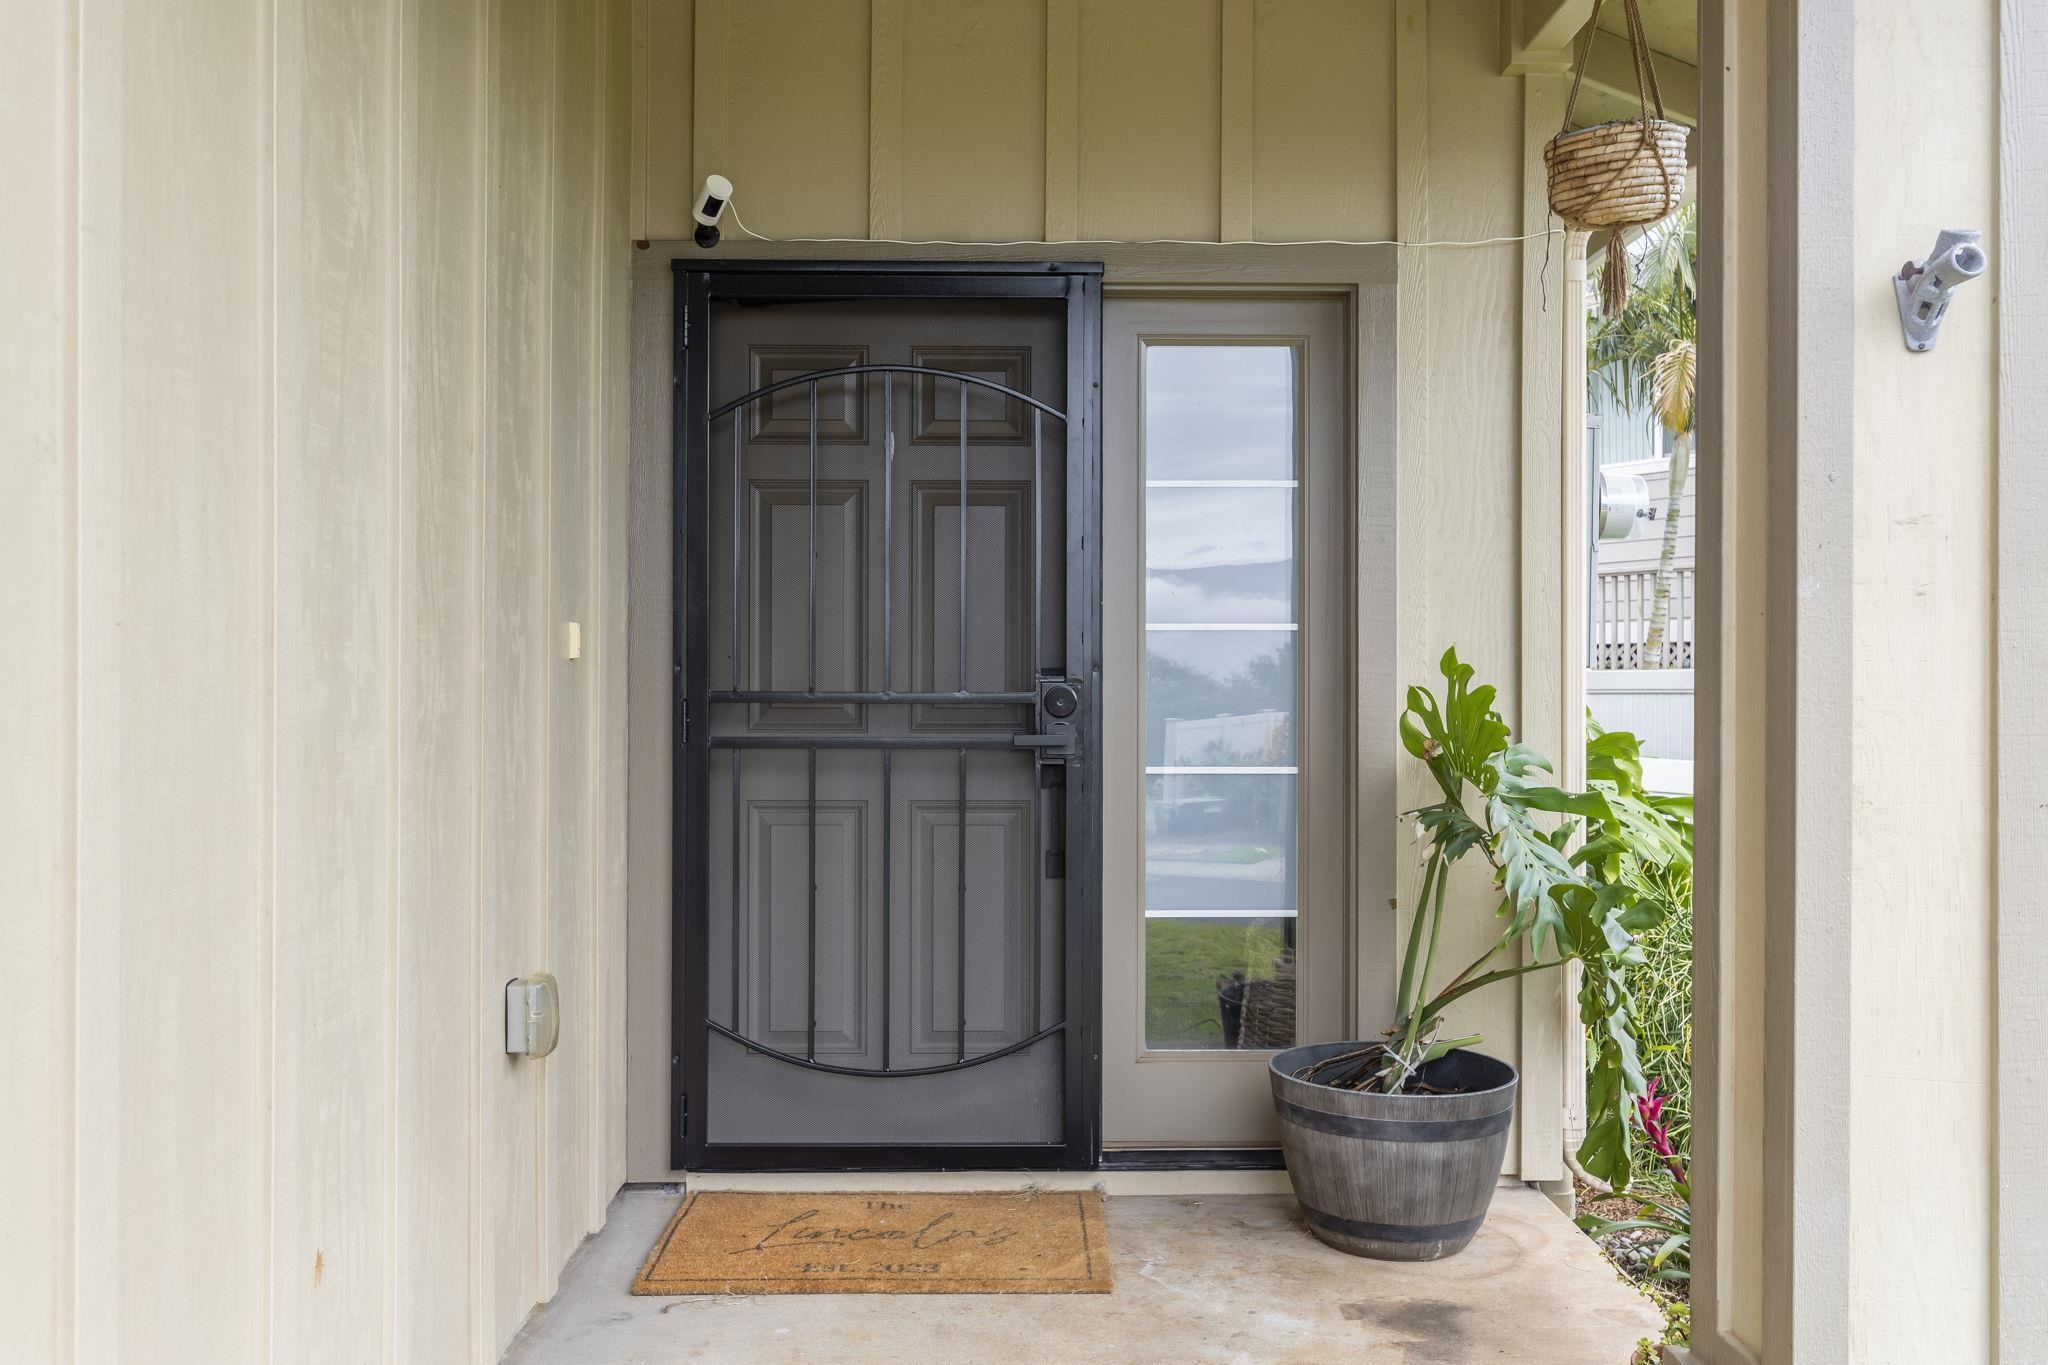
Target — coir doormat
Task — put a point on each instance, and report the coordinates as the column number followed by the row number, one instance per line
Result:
column 735, row 1242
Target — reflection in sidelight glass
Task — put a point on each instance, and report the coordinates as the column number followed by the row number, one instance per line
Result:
column 1219, row 699
column 1213, row 983
column 1219, row 554
column 1219, row 412
column 1222, row 612
column 1219, row 843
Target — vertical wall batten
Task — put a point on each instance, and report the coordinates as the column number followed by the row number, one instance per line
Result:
column 885, row 118
column 1572, row 493
column 509, row 1162
column 1412, row 223
column 435, row 707
column 1062, row 119
column 479, row 396
column 268, row 330
column 39, row 800
column 39, row 869
column 608, row 577
column 590, row 616
column 570, row 1137
column 1237, row 124
column 396, row 210
column 547, row 624
column 707, row 101
column 640, row 175
column 1542, row 519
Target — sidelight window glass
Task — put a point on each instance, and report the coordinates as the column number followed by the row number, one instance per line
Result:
column 1219, row 555
column 1221, row 452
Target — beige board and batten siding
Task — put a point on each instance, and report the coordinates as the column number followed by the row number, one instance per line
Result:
column 1025, row 120
column 315, row 395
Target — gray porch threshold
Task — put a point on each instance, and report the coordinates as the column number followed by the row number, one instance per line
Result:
column 1224, row 1278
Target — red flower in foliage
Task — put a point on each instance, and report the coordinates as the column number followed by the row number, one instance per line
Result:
column 1650, row 1113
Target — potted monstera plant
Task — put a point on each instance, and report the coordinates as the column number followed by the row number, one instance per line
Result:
column 1394, row 1144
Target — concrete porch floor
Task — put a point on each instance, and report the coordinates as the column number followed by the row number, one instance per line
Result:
column 1199, row 1278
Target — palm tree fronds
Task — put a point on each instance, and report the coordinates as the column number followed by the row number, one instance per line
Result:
column 1674, row 381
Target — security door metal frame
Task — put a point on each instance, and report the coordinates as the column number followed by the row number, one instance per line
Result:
column 1064, row 712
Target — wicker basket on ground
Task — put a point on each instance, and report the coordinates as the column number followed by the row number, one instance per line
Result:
column 1268, row 1020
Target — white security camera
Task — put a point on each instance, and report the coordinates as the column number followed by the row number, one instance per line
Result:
column 710, row 207
column 1924, row 287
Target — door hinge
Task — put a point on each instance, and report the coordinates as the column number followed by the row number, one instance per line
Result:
column 682, row 710
column 1055, row 865
column 686, row 329
column 682, row 1115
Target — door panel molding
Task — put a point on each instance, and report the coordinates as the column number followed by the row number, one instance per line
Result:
column 774, row 1009
column 774, row 506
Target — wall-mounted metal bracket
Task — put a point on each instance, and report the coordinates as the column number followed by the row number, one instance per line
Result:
column 1924, row 287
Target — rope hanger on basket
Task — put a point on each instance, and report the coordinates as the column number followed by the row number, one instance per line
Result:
column 1622, row 174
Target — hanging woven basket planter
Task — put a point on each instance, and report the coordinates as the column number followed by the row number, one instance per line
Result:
column 1617, row 175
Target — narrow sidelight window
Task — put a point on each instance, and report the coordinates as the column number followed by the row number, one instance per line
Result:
column 1221, row 452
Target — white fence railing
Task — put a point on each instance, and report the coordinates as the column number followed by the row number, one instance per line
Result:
column 1622, row 602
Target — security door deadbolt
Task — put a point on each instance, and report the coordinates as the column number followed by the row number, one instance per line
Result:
column 1056, row 740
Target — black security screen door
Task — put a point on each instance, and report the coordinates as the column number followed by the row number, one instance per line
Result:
column 887, row 910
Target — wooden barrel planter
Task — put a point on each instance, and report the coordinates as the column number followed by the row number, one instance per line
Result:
column 1395, row 1177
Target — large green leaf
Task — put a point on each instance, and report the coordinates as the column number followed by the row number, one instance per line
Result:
column 1460, row 739
column 1447, row 826
column 1613, row 757
column 1531, row 871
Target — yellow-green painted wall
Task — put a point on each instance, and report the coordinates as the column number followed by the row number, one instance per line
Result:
column 1027, row 119
column 1035, row 121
